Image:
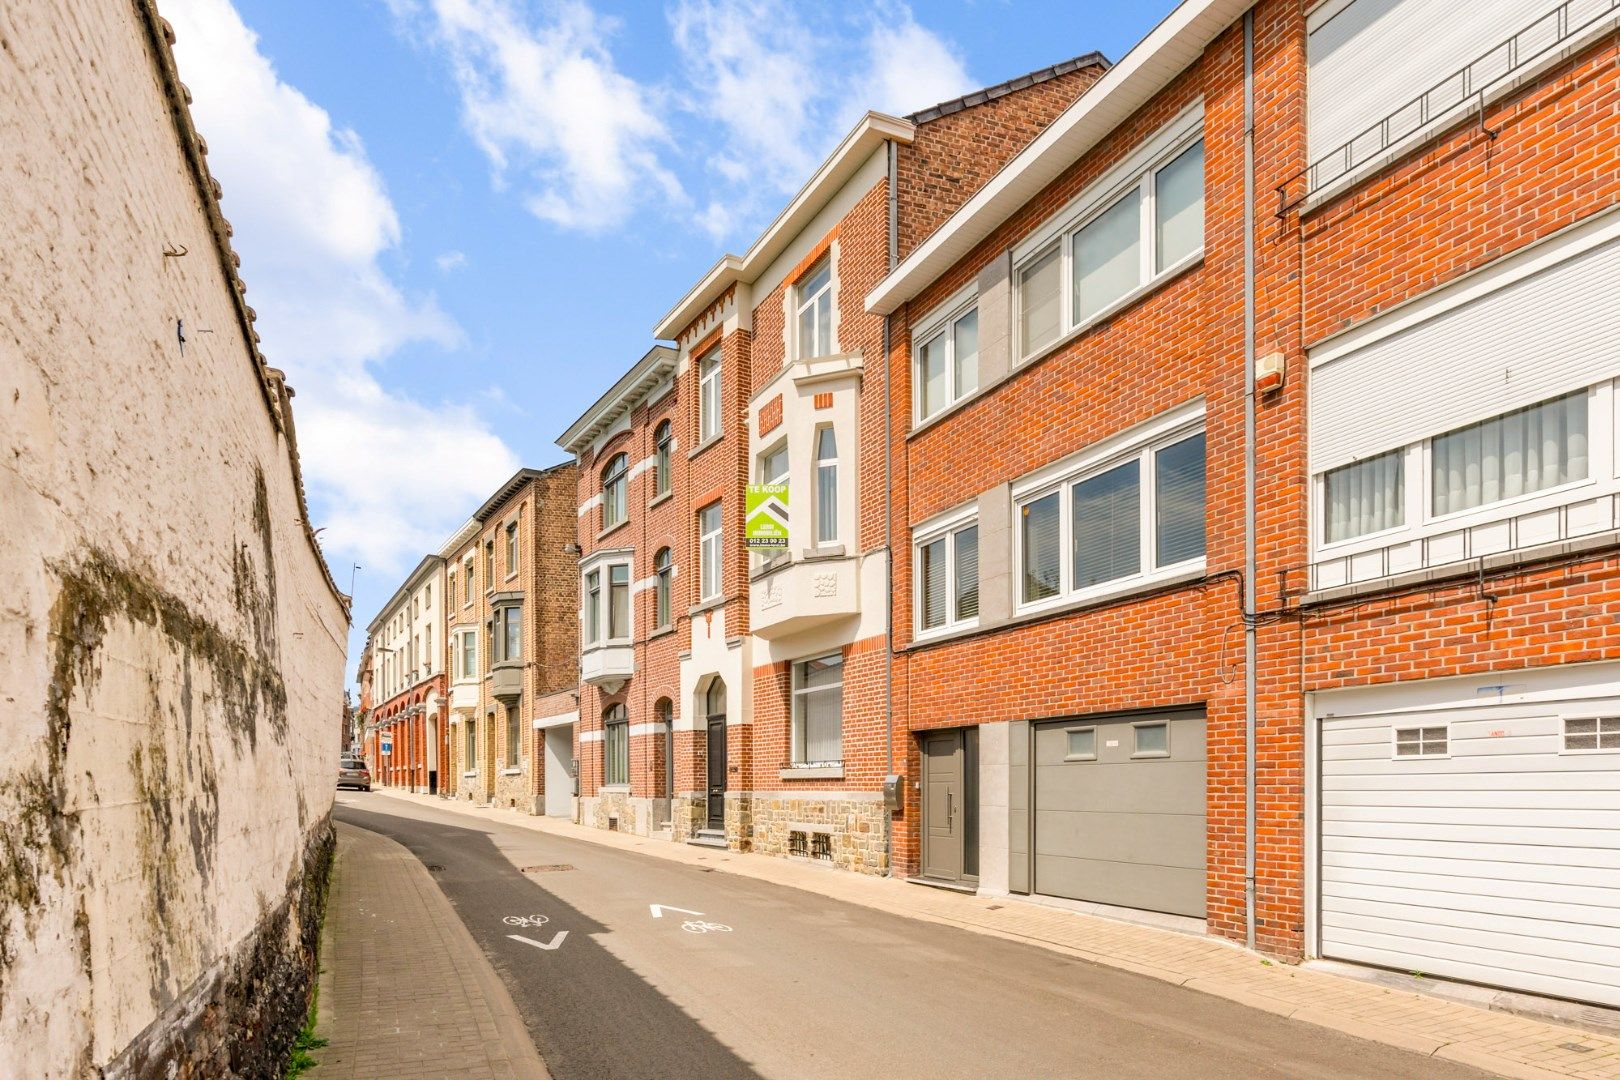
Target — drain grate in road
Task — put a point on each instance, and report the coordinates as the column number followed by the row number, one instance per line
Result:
column 549, row 868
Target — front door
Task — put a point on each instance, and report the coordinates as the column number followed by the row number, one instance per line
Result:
column 950, row 805
column 717, row 772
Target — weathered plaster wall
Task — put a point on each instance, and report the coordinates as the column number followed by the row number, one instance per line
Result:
column 171, row 647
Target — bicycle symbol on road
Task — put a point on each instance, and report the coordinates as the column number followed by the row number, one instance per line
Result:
column 700, row 926
column 526, row 920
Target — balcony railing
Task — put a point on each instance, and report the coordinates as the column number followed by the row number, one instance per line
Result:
column 1451, row 96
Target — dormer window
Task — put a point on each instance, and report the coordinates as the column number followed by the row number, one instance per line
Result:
column 813, row 296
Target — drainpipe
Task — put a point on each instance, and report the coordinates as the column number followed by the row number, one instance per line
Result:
column 1250, row 642
column 888, row 515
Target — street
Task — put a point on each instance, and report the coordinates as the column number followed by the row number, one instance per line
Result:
column 647, row 968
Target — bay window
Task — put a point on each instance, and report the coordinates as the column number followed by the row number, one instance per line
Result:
column 1138, row 224
column 593, row 607
column 509, row 640
column 469, row 654
column 1130, row 515
column 818, row 711
column 946, row 368
column 948, row 577
column 618, row 615
column 826, row 511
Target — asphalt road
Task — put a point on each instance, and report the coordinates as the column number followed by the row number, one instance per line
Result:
column 804, row 986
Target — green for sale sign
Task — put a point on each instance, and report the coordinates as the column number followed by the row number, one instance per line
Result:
column 767, row 516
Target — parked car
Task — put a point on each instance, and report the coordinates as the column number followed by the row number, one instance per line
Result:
column 352, row 773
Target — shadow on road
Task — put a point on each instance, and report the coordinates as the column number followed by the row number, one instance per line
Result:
column 590, row 1015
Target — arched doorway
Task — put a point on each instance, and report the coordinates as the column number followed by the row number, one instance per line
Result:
column 714, row 701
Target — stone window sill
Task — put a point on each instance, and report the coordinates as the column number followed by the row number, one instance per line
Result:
column 704, row 445
column 662, row 631
column 614, row 788
column 511, row 772
column 470, row 775
column 707, row 605
column 659, row 500
column 825, row 772
column 611, row 529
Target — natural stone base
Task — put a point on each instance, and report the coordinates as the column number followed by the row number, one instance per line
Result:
column 853, row 828
column 240, row 1019
column 689, row 814
column 623, row 812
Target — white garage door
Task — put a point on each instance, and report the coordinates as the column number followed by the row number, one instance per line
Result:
column 1480, row 844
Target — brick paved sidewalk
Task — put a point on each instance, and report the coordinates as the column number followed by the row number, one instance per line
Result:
column 1498, row 1042
column 436, row 1008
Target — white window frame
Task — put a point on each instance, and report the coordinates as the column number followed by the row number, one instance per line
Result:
column 1419, row 727
column 803, row 300
column 1597, row 718
column 1137, row 172
column 797, row 734
column 1142, row 443
column 945, row 527
column 466, row 672
column 711, row 551
column 591, row 595
column 942, row 322
column 710, row 395
column 818, row 470
column 629, row 602
column 1602, row 478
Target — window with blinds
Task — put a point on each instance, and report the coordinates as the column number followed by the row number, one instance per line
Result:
column 818, row 711
column 948, row 578
column 1135, row 517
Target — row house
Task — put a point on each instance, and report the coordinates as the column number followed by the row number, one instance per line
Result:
column 1256, row 500
column 509, row 631
column 735, row 693
column 404, row 693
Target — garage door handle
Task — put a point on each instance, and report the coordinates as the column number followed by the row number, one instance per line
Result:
column 950, row 806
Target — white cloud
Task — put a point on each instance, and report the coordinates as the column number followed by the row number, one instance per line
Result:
column 546, row 102
column 450, row 260
column 908, row 67
column 314, row 225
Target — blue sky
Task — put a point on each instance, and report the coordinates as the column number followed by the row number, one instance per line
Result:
column 459, row 219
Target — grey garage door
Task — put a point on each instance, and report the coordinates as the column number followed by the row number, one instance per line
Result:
column 1119, row 811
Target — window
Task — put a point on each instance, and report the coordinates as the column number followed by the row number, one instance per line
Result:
column 948, row 578
column 1151, row 740
column 1134, row 228
column 427, row 649
column 826, row 486
column 469, row 655
column 1421, row 742
column 593, row 606
column 615, row 491
column 427, row 595
column 1592, row 733
column 619, row 601
column 1365, row 497
column 467, row 576
column 615, row 746
column 663, row 446
column 947, row 367
column 813, row 296
column 450, row 588
column 489, row 564
column 1082, row 744
column 709, row 577
column 514, row 737
column 773, row 465
column 1515, row 454
column 818, row 711
column 469, row 761
column 664, row 569
column 510, row 624
column 709, row 395
column 511, row 548
column 1130, row 518
column 714, row 700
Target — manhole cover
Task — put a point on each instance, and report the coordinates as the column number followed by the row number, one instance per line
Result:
column 434, row 868
column 550, row 868
column 1577, row 1047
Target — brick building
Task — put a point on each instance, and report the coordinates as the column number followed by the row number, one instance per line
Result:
column 405, row 646
column 737, row 697
column 509, row 628
column 1264, row 576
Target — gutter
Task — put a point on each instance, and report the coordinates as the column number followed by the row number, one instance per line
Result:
column 1250, row 642
column 888, row 507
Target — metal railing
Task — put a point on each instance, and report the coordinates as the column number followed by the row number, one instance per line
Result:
column 1467, row 86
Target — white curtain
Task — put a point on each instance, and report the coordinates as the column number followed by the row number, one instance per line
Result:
column 1366, row 497
column 1038, row 307
column 1178, row 191
column 821, row 710
column 1107, row 258
column 1512, row 455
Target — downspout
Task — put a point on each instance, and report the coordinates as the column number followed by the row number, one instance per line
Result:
column 888, row 516
column 1250, row 642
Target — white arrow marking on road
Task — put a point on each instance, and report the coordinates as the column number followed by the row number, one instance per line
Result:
column 659, row 909
column 555, row 941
